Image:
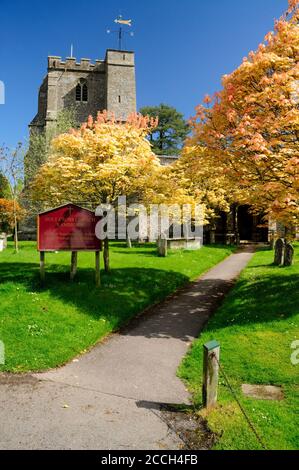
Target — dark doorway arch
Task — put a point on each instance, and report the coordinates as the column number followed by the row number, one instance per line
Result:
column 251, row 227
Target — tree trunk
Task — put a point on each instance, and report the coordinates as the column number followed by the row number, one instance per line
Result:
column 161, row 141
column 236, row 225
column 16, row 240
column 106, row 255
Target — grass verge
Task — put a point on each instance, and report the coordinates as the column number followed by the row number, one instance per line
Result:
column 45, row 327
column 256, row 325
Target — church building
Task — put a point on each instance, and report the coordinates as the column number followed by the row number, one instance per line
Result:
column 109, row 84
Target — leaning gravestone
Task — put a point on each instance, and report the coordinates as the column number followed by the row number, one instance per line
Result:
column 279, row 252
column 289, row 255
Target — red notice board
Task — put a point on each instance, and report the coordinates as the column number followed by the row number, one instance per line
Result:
column 68, row 228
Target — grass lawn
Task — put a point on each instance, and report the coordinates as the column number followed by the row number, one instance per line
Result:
column 45, row 327
column 256, row 325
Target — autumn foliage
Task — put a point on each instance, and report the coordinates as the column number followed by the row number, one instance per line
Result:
column 8, row 210
column 245, row 137
column 98, row 162
column 103, row 160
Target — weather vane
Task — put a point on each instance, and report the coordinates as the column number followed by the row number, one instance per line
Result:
column 121, row 22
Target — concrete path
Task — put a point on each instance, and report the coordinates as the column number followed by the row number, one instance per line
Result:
column 109, row 398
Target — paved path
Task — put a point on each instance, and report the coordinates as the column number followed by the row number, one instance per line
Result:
column 109, row 398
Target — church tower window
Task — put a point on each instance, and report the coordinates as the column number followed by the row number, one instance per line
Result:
column 82, row 92
column 85, row 93
column 78, row 92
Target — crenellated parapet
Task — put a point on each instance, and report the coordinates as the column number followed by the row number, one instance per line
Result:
column 71, row 64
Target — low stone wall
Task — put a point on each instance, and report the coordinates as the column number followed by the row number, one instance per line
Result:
column 184, row 244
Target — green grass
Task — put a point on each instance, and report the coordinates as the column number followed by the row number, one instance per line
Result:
column 45, row 327
column 256, row 325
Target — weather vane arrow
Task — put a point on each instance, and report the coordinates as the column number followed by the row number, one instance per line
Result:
column 120, row 21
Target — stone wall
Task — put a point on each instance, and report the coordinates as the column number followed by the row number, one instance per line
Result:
column 121, row 87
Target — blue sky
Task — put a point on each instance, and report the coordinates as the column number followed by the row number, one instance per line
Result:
column 183, row 47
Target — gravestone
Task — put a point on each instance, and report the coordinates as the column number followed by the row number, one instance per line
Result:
column 289, row 255
column 162, row 247
column 279, row 252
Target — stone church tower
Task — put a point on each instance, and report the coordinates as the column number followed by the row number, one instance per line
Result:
column 87, row 87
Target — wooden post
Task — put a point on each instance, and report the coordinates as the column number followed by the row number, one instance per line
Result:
column 98, row 272
column 210, row 373
column 74, row 262
column 42, row 266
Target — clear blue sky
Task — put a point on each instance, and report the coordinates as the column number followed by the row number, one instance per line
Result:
column 183, row 47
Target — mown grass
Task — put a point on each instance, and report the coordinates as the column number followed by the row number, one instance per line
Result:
column 256, row 326
column 44, row 327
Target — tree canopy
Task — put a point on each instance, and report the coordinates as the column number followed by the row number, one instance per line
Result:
column 169, row 135
column 247, row 134
column 97, row 163
column 10, row 212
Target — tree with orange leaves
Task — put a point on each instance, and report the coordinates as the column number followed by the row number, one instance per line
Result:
column 10, row 212
column 249, row 131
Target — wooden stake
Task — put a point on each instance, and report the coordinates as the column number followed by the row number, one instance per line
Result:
column 74, row 262
column 42, row 266
column 98, row 272
column 210, row 373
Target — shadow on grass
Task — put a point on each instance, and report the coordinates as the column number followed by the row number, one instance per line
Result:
column 152, row 252
column 127, row 291
column 124, row 292
column 272, row 297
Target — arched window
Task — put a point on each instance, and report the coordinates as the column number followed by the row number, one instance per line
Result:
column 85, row 93
column 82, row 92
column 78, row 92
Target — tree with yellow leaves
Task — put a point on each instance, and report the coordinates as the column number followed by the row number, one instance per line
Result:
column 248, row 132
column 101, row 161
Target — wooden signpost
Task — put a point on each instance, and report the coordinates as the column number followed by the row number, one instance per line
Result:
column 68, row 228
column 210, row 373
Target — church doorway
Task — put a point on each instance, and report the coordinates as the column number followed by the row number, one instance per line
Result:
column 245, row 223
column 251, row 227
